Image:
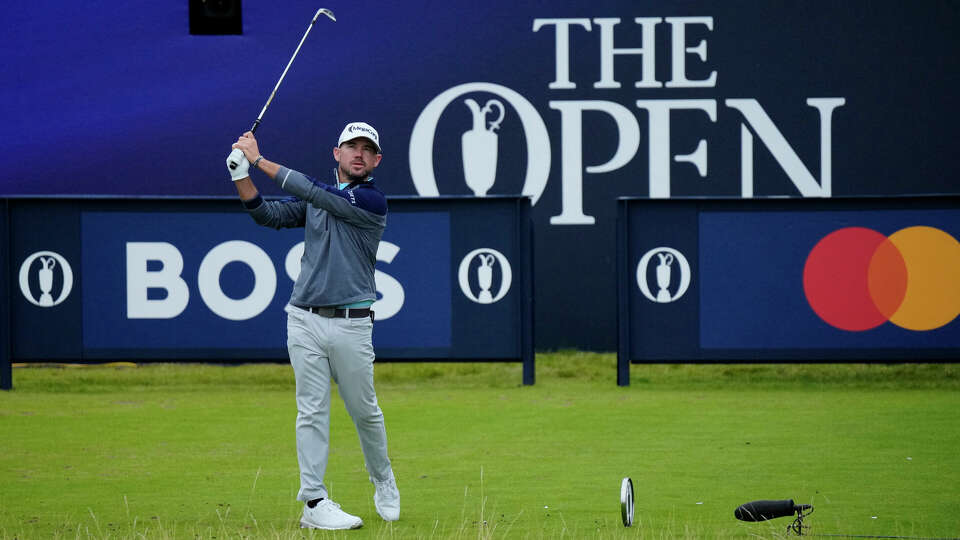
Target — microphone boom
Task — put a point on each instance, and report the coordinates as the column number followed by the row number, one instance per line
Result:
column 764, row 510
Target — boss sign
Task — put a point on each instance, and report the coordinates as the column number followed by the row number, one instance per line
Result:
column 156, row 281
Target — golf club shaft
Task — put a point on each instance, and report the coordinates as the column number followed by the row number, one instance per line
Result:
column 236, row 154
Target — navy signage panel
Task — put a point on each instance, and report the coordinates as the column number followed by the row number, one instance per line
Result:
column 167, row 279
column 5, row 368
column 45, row 280
column 774, row 280
column 569, row 102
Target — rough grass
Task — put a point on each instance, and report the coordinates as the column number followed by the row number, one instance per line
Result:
column 205, row 451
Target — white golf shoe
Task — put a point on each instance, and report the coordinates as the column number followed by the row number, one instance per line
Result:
column 387, row 499
column 328, row 515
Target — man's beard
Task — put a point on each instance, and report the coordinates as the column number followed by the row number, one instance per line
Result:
column 344, row 173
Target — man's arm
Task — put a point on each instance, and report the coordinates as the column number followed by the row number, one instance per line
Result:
column 246, row 189
column 276, row 214
column 339, row 203
column 361, row 207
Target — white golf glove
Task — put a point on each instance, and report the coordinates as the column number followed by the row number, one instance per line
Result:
column 242, row 169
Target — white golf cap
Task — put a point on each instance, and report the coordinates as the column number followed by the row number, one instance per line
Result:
column 355, row 130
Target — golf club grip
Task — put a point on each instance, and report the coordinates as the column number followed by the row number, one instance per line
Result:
column 237, row 153
column 764, row 510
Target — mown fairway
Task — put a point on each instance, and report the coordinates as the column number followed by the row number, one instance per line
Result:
column 186, row 451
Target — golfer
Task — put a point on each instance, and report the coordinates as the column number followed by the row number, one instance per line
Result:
column 329, row 321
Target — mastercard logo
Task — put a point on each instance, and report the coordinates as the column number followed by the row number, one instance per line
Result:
column 856, row 279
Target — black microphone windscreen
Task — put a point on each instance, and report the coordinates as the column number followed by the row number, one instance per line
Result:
column 764, row 510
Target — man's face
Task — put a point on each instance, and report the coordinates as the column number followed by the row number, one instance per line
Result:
column 357, row 158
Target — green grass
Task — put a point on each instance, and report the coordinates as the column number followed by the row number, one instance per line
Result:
column 201, row 451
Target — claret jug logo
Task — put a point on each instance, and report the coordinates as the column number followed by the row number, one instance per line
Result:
column 37, row 275
column 672, row 272
column 477, row 272
column 856, row 279
column 479, row 140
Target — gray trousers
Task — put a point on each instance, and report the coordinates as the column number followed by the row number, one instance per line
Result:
column 325, row 351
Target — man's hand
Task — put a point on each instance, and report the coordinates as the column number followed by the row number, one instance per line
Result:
column 248, row 145
column 242, row 169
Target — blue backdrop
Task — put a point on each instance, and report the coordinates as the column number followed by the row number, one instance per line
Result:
column 598, row 100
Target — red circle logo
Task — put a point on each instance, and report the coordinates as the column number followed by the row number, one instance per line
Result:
column 856, row 279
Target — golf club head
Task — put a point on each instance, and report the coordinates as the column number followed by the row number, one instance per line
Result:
column 626, row 501
column 326, row 12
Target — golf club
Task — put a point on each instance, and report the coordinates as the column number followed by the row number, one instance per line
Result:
column 237, row 154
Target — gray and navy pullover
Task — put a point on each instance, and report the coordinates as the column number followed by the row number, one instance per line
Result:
column 342, row 232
